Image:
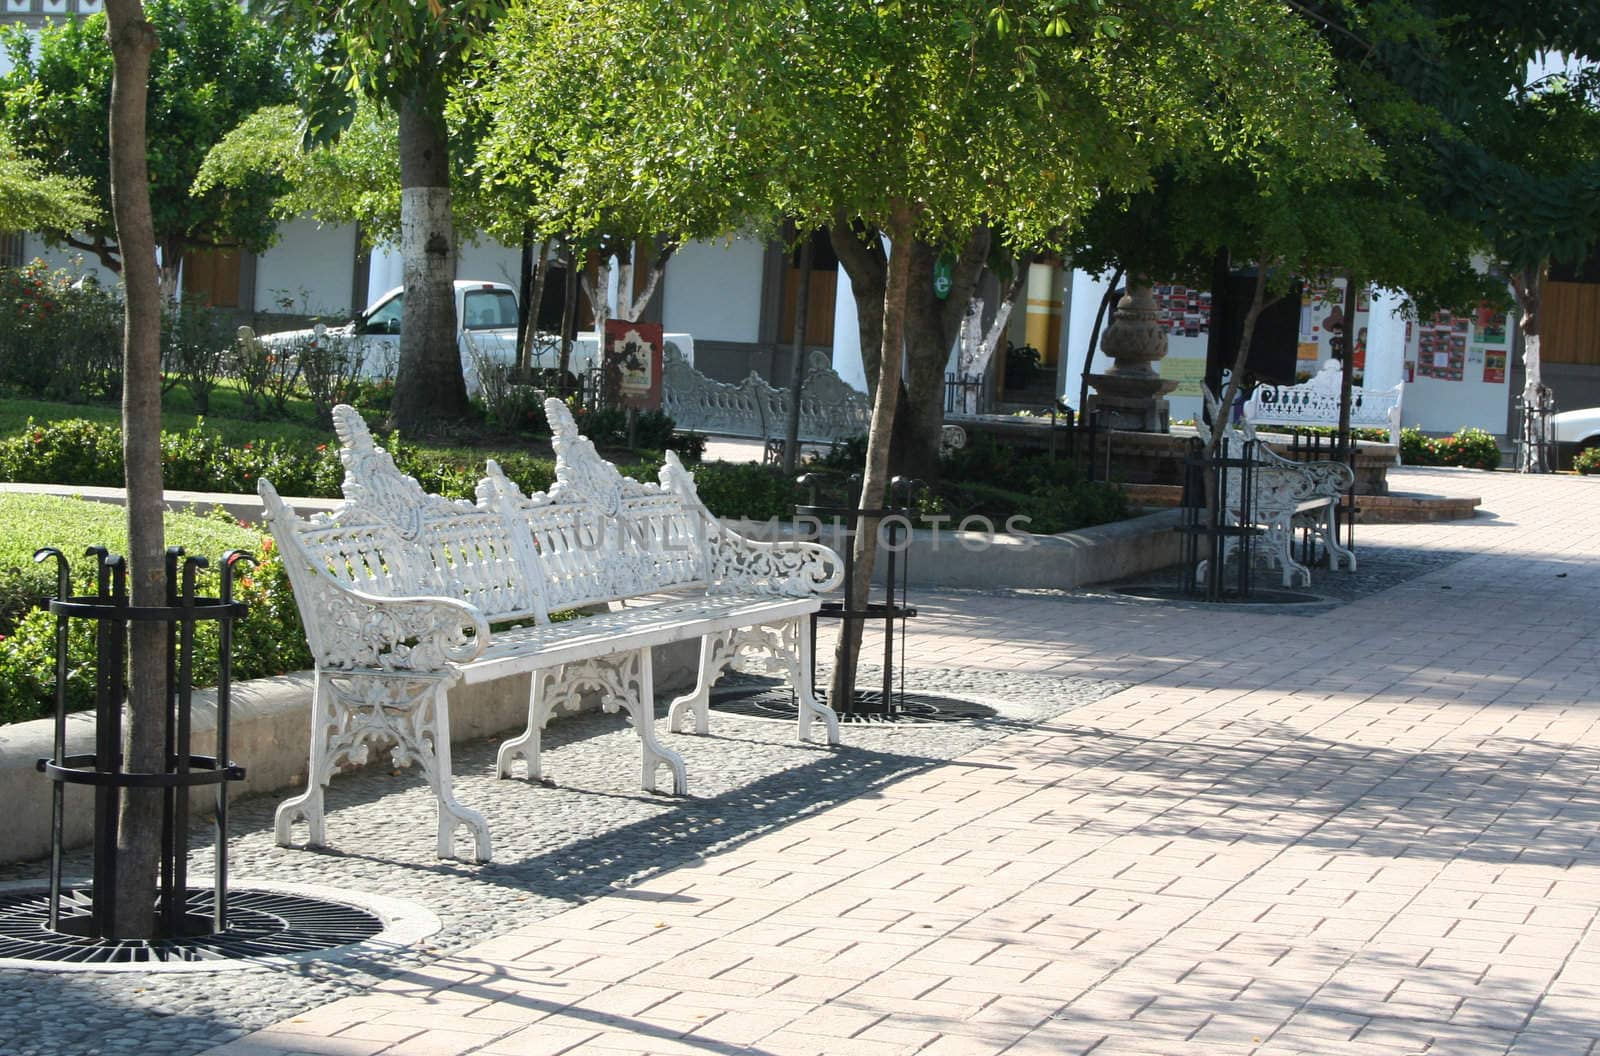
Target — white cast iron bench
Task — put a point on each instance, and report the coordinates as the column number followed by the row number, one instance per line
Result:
column 1286, row 495
column 404, row 593
column 830, row 410
column 1316, row 402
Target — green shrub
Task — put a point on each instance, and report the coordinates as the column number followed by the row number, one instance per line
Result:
column 1416, row 449
column 60, row 334
column 196, row 345
column 748, row 490
column 1472, row 448
column 70, row 451
column 1587, row 461
column 77, row 451
column 269, row 640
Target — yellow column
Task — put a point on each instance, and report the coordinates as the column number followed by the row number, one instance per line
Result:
column 1043, row 316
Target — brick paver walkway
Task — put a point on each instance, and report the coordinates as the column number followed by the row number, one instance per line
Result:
column 1372, row 831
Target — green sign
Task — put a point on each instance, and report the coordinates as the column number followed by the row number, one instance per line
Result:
column 942, row 280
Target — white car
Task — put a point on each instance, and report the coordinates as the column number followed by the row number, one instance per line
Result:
column 486, row 329
column 1579, row 428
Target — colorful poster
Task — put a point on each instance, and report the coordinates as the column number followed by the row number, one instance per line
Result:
column 1489, row 328
column 633, row 363
column 1494, row 366
column 1442, row 348
column 1183, row 311
column 1308, row 351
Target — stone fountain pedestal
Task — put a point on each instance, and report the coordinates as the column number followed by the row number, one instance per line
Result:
column 1131, row 396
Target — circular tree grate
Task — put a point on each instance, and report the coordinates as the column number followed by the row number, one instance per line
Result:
column 261, row 924
column 767, row 699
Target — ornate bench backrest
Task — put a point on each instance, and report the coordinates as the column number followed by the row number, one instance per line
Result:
column 466, row 550
column 599, row 536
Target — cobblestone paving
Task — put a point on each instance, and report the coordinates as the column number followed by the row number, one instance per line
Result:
column 555, row 847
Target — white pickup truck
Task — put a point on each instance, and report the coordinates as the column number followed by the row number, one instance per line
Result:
column 486, row 328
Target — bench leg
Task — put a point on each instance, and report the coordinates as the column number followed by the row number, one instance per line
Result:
column 325, row 722
column 351, row 711
column 785, row 646
column 804, row 693
column 625, row 681
column 698, row 701
column 1330, row 539
column 641, row 710
column 436, row 764
column 527, row 744
column 1280, row 551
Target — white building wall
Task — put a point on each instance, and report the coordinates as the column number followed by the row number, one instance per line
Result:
column 487, row 260
column 77, row 261
column 308, row 270
column 713, row 290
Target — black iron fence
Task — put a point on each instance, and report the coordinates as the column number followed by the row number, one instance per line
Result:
column 963, row 393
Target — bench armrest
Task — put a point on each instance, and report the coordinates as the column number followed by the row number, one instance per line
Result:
column 792, row 568
column 352, row 629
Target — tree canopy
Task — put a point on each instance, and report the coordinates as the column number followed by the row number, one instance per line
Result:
column 213, row 66
column 32, row 198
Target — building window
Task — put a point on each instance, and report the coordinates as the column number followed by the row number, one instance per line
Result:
column 11, row 249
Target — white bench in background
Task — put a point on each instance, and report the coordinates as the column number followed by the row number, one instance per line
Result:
column 830, row 410
column 398, row 590
column 1316, row 402
column 1286, row 495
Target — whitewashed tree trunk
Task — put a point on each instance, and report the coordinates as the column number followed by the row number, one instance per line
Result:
column 430, row 384
column 982, row 349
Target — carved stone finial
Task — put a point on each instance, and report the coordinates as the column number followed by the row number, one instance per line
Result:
column 1132, row 395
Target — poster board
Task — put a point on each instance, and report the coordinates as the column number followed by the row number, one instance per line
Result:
column 633, row 364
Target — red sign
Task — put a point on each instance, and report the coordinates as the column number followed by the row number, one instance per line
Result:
column 633, row 363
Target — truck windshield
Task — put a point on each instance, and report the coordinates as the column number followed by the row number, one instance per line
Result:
column 489, row 310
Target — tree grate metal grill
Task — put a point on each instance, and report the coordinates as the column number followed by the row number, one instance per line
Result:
column 260, row 924
column 766, row 699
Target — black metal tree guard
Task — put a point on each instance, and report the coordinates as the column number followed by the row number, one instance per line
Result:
column 894, row 526
column 103, row 770
column 1318, row 448
column 1206, row 532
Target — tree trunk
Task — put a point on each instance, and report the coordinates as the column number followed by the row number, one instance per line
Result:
column 597, row 287
column 139, row 826
column 989, row 343
column 524, row 293
column 658, row 267
column 1527, row 287
column 1347, row 366
column 169, row 273
column 875, row 485
column 864, row 260
column 535, row 300
column 1258, row 302
column 569, row 320
column 797, row 370
column 430, row 384
column 932, row 328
